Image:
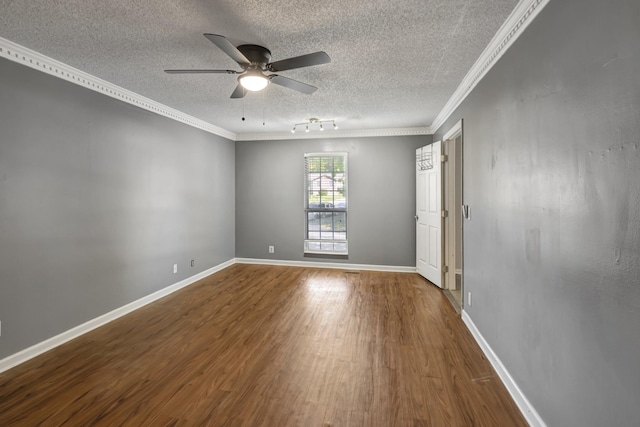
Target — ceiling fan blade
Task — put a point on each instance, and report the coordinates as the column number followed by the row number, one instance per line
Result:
column 228, row 48
column 293, row 84
column 202, row 72
column 308, row 60
column 239, row 92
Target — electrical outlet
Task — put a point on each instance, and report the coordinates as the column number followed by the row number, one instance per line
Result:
column 175, row 268
column 272, row 249
column 469, row 298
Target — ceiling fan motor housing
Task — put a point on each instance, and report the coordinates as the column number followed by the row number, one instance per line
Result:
column 257, row 55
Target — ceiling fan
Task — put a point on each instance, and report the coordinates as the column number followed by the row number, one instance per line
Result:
column 254, row 61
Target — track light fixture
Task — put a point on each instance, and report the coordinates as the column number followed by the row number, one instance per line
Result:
column 313, row 121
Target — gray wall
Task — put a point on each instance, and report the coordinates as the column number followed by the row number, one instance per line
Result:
column 98, row 200
column 381, row 192
column 552, row 176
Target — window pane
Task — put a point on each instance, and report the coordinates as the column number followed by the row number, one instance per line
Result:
column 327, row 225
column 326, row 246
column 340, row 221
column 330, row 225
column 314, row 246
column 313, row 225
column 313, row 164
column 340, row 247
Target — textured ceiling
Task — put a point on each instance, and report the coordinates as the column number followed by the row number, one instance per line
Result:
column 394, row 63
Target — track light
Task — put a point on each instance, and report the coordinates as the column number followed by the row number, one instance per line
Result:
column 312, row 122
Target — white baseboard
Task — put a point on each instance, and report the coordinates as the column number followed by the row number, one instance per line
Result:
column 527, row 409
column 337, row 265
column 44, row 346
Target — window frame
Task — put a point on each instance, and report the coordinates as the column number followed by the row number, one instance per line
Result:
column 309, row 243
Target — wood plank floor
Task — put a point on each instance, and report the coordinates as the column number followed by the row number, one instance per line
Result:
column 270, row 346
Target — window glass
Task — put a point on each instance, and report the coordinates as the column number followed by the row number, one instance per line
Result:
column 326, row 203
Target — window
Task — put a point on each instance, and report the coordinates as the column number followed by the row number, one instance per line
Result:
column 325, row 183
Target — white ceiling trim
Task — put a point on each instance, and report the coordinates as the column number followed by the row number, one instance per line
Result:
column 330, row 134
column 523, row 14
column 32, row 59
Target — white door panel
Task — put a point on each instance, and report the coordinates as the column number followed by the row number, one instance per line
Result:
column 421, row 185
column 422, row 242
column 433, row 247
column 433, row 193
column 428, row 213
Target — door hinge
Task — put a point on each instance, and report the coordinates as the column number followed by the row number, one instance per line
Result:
column 445, row 269
column 444, row 158
column 445, row 214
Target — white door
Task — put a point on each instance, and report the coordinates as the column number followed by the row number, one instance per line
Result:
column 428, row 213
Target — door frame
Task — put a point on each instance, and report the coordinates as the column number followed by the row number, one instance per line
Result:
column 453, row 224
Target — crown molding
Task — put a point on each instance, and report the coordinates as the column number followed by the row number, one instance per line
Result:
column 523, row 14
column 22, row 55
column 330, row 134
column 519, row 19
column 25, row 56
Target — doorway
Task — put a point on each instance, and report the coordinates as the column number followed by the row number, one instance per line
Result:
column 439, row 215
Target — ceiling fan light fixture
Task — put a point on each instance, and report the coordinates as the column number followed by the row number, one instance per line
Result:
column 254, row 81
column 255, row 60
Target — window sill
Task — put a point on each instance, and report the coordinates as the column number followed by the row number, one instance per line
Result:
column 326, row 255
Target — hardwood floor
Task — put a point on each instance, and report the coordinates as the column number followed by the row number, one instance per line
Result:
column 270, row 346
column 455, row 298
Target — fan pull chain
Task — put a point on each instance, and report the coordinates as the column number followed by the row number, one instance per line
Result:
column 263, row 107
column 243, row 95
